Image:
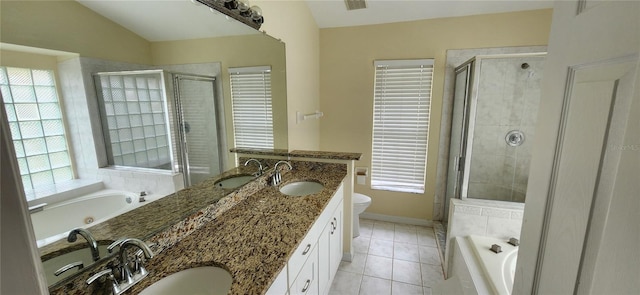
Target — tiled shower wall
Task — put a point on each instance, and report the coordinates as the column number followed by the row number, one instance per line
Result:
column 508, row 99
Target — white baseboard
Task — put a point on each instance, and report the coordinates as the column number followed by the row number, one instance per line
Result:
column 397, row 219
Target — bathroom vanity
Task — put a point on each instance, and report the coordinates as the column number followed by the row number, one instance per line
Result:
column 268, row 241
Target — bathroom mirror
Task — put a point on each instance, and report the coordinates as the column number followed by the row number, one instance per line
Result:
column 169, row 34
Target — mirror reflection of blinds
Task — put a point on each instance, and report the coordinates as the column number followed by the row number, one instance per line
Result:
column 402, row 99
column 252, row 110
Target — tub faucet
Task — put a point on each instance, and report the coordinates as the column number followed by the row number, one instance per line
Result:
column 93, row 244
column 277, row 177
column 260, row 168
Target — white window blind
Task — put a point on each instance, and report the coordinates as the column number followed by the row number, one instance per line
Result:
column 252, row 113
column 37, row 127
column 402, row 98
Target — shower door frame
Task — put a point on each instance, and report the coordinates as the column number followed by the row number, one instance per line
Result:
column 460, row 158
column 470, row 115
column 184, row 165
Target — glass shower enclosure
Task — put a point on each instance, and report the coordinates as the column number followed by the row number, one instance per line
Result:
column 495, row 110
column 154, row 119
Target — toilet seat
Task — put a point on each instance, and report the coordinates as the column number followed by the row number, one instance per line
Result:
column 361, row 199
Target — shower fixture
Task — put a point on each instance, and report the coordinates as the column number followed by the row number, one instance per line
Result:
column 514, row 138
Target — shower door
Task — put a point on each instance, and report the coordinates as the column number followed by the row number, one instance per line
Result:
column 458, row 141
column 494, row 114
column 199, row 127
column 502, row 118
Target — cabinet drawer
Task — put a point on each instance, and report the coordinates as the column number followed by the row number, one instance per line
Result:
column 303, row 252
column 307, row 280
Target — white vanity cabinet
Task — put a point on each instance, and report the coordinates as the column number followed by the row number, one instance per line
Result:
column 330, row 246
column 312, row 266
column 279, row 285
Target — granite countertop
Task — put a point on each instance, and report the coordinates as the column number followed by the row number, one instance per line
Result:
column 300, row 154
column 250, row 232
column 254, row 239
column 138, row 223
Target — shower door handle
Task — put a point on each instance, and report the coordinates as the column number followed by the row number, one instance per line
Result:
column 460, row 164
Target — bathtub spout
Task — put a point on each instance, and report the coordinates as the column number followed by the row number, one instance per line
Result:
column 93, row 244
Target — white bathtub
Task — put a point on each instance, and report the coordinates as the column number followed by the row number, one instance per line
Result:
column 478, row 270
column 56, row 220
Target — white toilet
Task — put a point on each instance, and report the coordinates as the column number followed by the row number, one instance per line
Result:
column 360, row 203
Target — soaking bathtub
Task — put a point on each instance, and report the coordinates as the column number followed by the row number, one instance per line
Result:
column 478, row 270
column 56, row 220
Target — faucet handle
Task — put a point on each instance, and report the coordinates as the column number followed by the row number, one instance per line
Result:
column 115, row 244
column 109, row 275
column 106, row 272
column 78, row 264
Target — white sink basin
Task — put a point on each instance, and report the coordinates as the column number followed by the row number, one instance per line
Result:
column 301, row 188
column 234, row 182
column 199, row 280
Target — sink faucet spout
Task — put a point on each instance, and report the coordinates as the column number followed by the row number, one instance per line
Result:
column 93, row 244
column 260, row 168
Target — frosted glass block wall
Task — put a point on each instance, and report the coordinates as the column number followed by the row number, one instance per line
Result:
column 36, row 123
column 135, row 114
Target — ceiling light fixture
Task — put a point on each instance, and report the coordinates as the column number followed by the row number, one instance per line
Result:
column 355, row 4
column 239, row 10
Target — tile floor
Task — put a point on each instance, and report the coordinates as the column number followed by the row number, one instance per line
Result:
column 389, row 259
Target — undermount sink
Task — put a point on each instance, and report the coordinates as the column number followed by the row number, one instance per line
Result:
column 199, row 280
column 234, row 181
column 301, row 188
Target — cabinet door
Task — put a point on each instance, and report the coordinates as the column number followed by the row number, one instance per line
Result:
column 324, row 268
column 335, row 242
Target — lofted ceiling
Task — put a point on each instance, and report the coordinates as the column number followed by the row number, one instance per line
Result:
column 333, row 13
column 164, row 20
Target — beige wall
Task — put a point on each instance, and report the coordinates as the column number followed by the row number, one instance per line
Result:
column 292, row 22
column 69, row 26
column 236, row 51
column 9, row 58
column 346, row 83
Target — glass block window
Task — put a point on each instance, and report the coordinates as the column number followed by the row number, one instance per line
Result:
column 134, row 111
column 37, row 128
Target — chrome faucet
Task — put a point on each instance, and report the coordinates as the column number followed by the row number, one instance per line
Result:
column 93, row 244
column 126, row 277
column 260, row 168
column 277, row 177
column 140, row 271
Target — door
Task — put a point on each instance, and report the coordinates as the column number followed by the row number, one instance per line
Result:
column 199, row 127
column 581, row 223
column 458, row 131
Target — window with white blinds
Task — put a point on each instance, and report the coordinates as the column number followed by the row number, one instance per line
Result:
column 252, row 113
column 402, row 98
